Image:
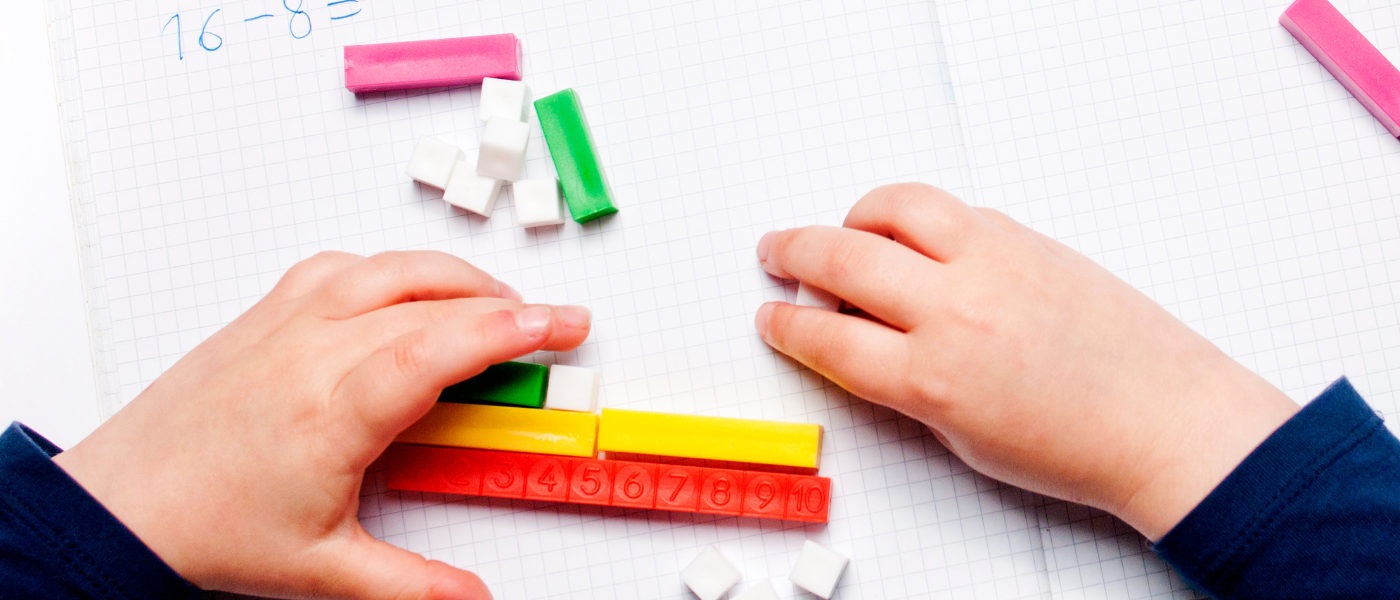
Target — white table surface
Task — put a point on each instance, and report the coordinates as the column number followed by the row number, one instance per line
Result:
column 46, row 369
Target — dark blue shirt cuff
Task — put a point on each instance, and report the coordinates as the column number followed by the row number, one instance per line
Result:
column 1313, row 512
column 57, row 541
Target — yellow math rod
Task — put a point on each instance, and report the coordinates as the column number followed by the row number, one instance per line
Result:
column 506, row 428
column 712, row 438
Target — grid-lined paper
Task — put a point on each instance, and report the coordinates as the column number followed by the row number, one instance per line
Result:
column 201, row 179
column 1198, row 151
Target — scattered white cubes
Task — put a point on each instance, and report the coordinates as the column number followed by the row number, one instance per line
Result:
column 572, row 388
column 537, row 201
column 503, row 149
column 710, row 575
column 503, row 98
column 762, row 591
column 433, row 161
column 818, row 569
column 817, row 298
column 472, row 191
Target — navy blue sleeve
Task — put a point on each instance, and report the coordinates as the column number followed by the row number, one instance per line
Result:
column 1313, row 512
column 58, row 542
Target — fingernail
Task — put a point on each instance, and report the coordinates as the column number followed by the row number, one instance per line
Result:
column 760, row 320
column 763, row 244
column 533, row 321
column 577, row 317
column 507, row 292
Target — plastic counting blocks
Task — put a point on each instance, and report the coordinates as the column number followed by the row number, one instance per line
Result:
column 1349, row 56
column 505, row 428
column 714, row 438
column 537, row 203
column 818, row 569
column 503, row 149
column 570, row 145
column 508, row 383
column 503, row 98
column 609, row 482
column 433, row 162
column 762, row 591
column 431, row 63
column 472, row 191
column 572, row 388
column 816, row 297
column 710, row 575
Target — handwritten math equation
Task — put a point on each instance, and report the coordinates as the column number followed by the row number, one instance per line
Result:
column 298, row 23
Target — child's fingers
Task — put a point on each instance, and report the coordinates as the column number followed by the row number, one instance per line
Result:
column 379, row 327
column 864, row 357
column 922, row 217
column 375, row 570
column 874, row 273
column 309, row 274
column 394, row 277
column 397, row 383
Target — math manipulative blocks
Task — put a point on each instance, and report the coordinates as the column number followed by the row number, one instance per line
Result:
column 505, row 428
column 472, row 191
column 433, row 161
column 586, row 189
column 572, row 388
column 763, row 591
column 710, row 574
column 1349, row 56
column 712, row 438
column 507, row 383
column 503, row 98
column 537, row 203
column 609, row 482
column 431, row 63
column 503, row 146
column 818, row 569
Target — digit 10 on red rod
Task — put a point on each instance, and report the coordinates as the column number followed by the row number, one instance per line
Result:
column 608, row 482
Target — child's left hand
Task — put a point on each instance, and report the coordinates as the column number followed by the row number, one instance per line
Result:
column 241, row 465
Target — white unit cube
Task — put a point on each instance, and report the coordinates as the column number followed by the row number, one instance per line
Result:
column 818, row 569
column 816, row 297
column 572, row 388
column 538, row 203
column 503, row 149
column 503, row 98
column 433, row 161
column 471, row 190
column 762, row 591
column 710, row 575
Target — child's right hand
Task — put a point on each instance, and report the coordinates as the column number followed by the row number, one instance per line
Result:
column 1029, row 361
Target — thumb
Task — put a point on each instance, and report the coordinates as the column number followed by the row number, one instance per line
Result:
column 375, row 570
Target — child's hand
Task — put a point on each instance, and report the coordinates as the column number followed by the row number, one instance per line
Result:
column 241, row 465
column 1029, row 361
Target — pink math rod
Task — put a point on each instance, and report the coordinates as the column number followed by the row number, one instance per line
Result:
column 431, row 63
column 1349, row 56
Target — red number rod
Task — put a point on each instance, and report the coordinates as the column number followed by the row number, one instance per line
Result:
column 608, row 482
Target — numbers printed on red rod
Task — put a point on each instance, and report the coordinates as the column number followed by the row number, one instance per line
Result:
column 608, row 482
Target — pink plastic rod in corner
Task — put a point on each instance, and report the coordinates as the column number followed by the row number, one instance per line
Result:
column 1349, row 56
column 431, row 63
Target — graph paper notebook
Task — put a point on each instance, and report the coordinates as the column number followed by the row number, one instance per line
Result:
column 1193, row 149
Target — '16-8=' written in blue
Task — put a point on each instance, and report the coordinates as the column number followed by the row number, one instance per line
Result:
column 298, row 23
